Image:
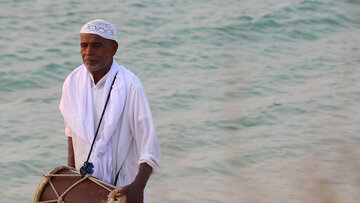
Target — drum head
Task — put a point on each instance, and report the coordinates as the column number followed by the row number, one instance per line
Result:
column 65, row 184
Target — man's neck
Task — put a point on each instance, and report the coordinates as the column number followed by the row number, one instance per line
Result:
column 97, row 75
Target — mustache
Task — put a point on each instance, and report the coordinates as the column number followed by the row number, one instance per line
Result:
column 89, row 59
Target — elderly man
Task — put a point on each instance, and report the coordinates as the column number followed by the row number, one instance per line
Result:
column 107, row 116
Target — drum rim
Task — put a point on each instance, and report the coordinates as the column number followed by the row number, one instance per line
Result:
column 46, row 179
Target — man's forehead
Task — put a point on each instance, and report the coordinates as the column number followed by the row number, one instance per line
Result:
column 86, row 37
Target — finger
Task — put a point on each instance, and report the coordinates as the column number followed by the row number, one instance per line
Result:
column 122, row 192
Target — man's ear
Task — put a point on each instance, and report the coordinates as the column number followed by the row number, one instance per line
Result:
column 114, row 47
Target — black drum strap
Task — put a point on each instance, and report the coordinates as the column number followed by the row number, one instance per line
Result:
column 87, row 168
column 116, row 177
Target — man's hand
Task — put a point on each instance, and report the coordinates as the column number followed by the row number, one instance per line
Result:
column 135, row 191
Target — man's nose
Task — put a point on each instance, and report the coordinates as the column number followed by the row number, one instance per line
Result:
column 89, row 50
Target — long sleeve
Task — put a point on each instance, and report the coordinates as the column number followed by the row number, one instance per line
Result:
column 142, row 127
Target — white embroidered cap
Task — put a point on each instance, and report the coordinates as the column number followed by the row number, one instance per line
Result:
column 100, row 27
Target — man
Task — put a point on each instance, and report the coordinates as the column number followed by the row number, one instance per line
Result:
column 126, row 150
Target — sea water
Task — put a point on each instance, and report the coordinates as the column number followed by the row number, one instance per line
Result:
column 253, row 101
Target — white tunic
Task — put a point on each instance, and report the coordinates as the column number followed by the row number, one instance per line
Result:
column 134, row 140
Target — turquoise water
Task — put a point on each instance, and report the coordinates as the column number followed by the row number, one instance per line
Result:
column 253, row 101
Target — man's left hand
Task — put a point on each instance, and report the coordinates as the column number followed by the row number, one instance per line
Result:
column 134, row 193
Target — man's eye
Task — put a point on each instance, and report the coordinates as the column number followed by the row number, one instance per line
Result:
column 83, row 45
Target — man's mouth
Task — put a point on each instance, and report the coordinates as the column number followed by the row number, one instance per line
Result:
column 90, row 61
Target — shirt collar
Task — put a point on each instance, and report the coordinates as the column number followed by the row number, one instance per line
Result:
column 100, row 83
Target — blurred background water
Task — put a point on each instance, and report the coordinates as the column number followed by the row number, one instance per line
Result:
column 253, row 101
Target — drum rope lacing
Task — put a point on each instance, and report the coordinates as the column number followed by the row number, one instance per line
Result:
column 60, row 197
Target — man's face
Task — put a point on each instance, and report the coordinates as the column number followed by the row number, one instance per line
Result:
column 97, row 53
